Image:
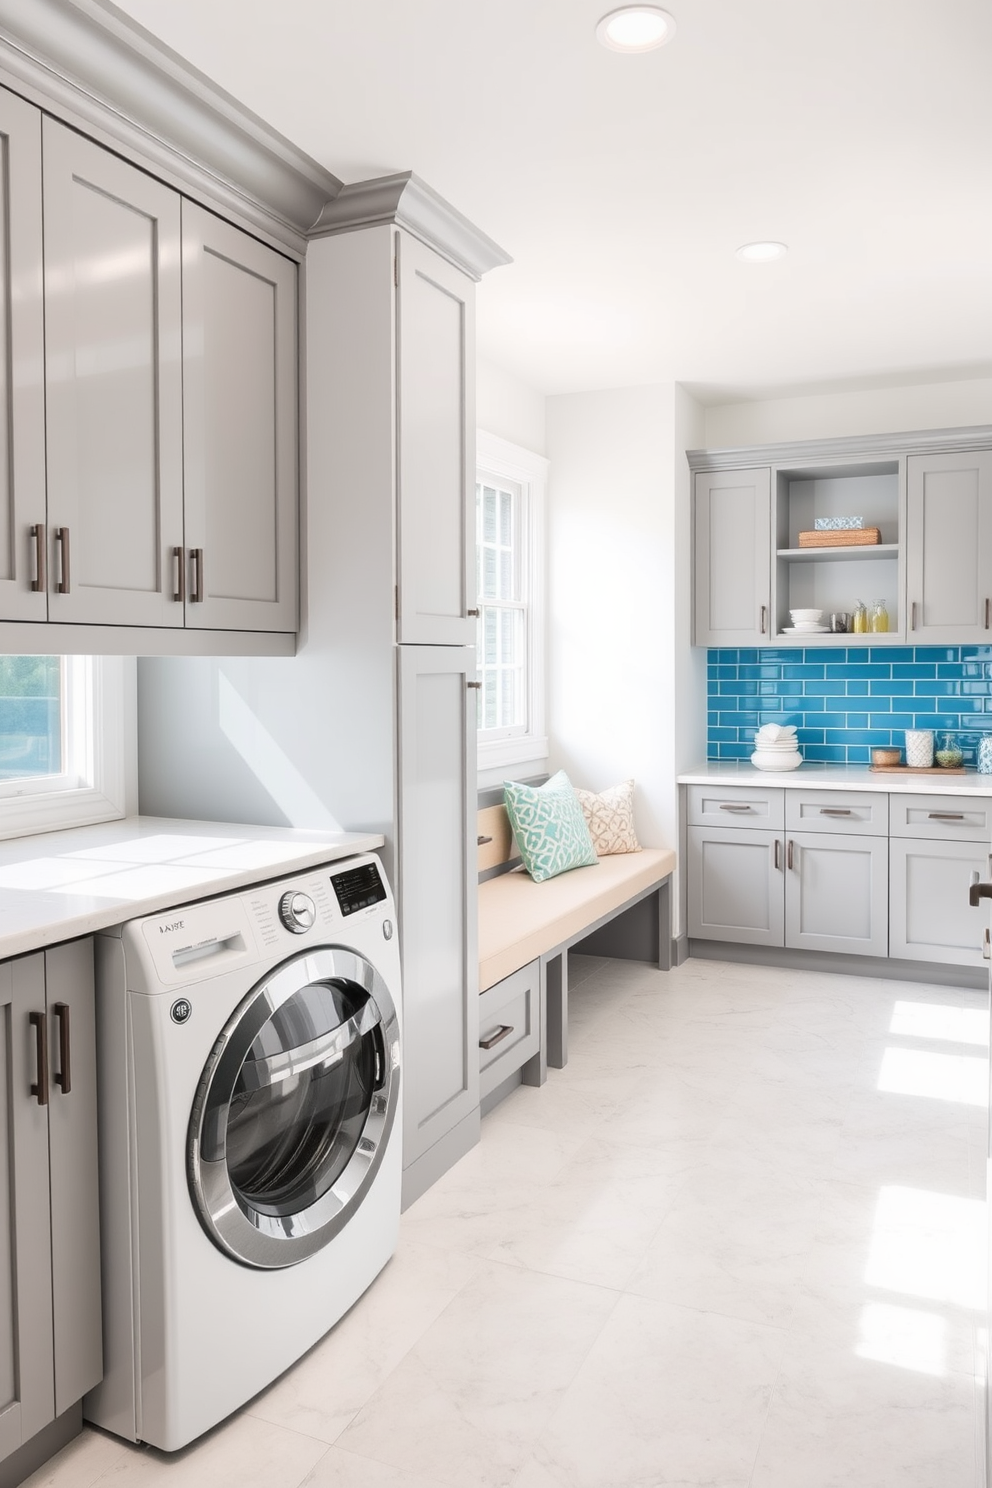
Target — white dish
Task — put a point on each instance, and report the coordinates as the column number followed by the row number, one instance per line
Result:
column 813, row 615
column 763, row 747
column 762, row 761
column 805, row 629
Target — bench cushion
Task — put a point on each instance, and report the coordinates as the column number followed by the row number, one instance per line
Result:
column 520, row 920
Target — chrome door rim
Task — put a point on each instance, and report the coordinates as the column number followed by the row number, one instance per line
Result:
column 244, row 1233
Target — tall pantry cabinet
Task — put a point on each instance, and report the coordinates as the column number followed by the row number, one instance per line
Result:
column 390, row 423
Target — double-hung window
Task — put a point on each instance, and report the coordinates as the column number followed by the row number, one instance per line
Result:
column 510, row 484
column 62, row 742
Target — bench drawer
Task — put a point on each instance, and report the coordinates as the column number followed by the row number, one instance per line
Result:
column 862, row 812
column 736, row 805
column 510, row 1024
column 945, row 818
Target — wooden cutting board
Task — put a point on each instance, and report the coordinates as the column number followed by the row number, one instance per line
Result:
column 918, row 769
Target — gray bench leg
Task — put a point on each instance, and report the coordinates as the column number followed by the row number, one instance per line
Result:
column 556, row 992
column 665, row 926
column 535, row 1071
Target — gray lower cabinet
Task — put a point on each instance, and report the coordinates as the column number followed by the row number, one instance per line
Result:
column 436, row 895
column 837, row 893
column 509, row 1026
column 930, row 918
column 50, row 1323
column 735, row 885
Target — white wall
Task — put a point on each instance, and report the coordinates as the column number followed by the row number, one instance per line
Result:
column 618, row 611
column 510, row 408
column 889, row 410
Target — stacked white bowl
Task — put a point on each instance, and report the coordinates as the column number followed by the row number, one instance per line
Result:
column 808, row 620
column 775, row 747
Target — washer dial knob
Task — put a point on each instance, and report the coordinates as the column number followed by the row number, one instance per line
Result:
column 297, row 912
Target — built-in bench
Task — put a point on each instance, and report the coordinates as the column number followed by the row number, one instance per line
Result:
column 621, row 906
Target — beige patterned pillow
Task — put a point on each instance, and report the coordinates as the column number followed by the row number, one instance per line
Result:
column 610, row 818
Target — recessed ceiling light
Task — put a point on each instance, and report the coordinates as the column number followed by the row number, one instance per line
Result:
column 635, row 28
column 762, row 252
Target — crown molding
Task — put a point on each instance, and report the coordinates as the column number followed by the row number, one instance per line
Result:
column 850, row 448
column 112, row 76
column 406, row 201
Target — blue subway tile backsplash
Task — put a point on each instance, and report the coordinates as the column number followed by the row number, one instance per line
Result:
column 845, row 700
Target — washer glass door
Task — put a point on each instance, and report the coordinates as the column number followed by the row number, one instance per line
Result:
column 294, row 1108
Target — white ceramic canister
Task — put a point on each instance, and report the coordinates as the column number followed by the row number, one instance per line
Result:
column 919, row 748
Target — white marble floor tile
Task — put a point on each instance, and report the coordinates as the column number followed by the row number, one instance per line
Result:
column 471, row 1401
column 82, row 1463
column 666, row 1396
column 243, row 1453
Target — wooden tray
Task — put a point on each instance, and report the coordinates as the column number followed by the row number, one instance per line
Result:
column 847, row 537
column 918, row 769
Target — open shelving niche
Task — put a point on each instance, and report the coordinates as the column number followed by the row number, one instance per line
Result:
column 832, row 579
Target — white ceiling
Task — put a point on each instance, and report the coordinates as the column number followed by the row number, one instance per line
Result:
column 858, row 131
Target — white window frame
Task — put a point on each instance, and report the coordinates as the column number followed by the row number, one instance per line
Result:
column 92, row 786
column 502, row 459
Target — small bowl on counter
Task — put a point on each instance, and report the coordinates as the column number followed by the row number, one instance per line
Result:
column 886, row 756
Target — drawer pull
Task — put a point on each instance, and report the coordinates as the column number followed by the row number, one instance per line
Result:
column 945, row 816
column 481, row 841
column 836, row 811
column 503, row 1031
column 39, row 1023
column 729, row 806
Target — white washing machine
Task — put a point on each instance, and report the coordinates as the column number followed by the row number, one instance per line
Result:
column 250, row 1141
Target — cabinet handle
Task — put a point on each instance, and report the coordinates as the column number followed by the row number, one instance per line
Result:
column 63, row 1075
column 472, row 614
column 764, row 619
column 728, row 806
column 481, row 841
column 912, row 615
column 945, row 816
column 789, row 854
column 777, row 855
column 836, row 811
column 62, row 538
column 196, row 558
column 39, row 1023
column 977, row 892
column 473, row 684
column 986, row 947
column 179, row 593
column 503, row 1031
column 988, row 608
column 38, row 532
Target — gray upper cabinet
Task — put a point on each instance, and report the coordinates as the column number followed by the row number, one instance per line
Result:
column 436, row 448
column 241, row 438
column 22, row 361
column 732, row 557
column 113, row 361
column 50, row 1319
column 949, row 547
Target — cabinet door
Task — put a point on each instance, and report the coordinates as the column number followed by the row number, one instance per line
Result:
column 732, row 539
column 22, row 362
column 735, row 886
column 113, row 372
column 437, row 892
column 930, row 918
column 949, row 547
column 27, row 1397
column 837, row 893
column 73, row 1155
column 241, row 428
column 435, row 350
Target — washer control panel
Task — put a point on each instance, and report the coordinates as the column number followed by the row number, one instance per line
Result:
column 297, row 911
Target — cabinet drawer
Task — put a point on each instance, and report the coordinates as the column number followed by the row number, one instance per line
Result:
column 745, row 805
column 947, row 818
column 863, row 812
column 510, row 1023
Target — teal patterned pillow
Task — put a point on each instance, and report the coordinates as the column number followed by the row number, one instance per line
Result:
column 549, row 826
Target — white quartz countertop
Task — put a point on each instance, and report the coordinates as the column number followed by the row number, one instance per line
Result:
column 60, row 885
column 838, row 777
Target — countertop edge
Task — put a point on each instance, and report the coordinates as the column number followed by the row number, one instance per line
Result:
column 304, row 850
column 835, row 777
